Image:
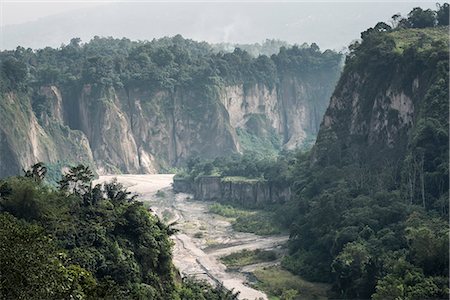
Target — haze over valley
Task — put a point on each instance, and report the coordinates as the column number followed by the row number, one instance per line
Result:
column 331, row 25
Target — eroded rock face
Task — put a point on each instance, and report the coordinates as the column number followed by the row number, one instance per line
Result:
column 27, row 138
column 392, row 112
column 107, row 126
column 294, row 108
column 258, row 99
column 359, row 121
column 54, row 103
column 139, row 130
column 246, row 193
column 253, row 195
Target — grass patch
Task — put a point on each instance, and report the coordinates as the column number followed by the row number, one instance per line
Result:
column 260, row 223
column 228, row 211
column 405, row 38
column 241, row 179
column 253, row 221
column 281, row 284
column 248, row 257
column 147, row 205
column 212, row 243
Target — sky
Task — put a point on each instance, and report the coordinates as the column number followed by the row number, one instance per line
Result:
column 330, row 24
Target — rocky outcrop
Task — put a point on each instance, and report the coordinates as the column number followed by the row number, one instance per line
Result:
column 27, row 138
column 182, row 185
column 374, row 112
column 294, row 108
column 250, row 193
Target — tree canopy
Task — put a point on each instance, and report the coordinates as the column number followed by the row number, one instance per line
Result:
column 85, row 242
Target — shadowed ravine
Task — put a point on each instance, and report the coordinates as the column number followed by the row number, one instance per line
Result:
column 193, row 255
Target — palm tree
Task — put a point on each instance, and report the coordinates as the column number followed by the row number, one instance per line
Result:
column 37, row 172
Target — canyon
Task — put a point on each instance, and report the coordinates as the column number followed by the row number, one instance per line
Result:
column 157, row 108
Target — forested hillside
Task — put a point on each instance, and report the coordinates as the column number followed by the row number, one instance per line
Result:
column 85, row 242
column 123, row 106
column 372, row 198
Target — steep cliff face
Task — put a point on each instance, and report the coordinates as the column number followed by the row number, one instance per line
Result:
column 148, row 107
column 362, row 128
column 293, row 109
column 381, row 112
column 250, row 193
column 135, row 131
column 27, row 137
column 139, row 131
column 374, row 123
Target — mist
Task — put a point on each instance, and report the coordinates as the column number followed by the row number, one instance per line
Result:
column 331, row 25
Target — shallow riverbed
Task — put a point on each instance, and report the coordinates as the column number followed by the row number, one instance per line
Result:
column 203, row 237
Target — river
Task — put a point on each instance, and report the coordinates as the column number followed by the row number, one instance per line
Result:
column 202, row 237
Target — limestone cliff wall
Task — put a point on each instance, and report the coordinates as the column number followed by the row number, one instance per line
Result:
column 26, row 137
column 370, row 120
column 140, row 130
column 294, row 108
column 249, row 193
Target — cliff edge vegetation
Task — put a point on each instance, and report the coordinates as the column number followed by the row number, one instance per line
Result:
column 144, row 107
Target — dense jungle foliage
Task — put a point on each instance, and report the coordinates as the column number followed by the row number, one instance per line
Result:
column 274, row 169
column 373, row 219
column 85, row 242
column 166, row 63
